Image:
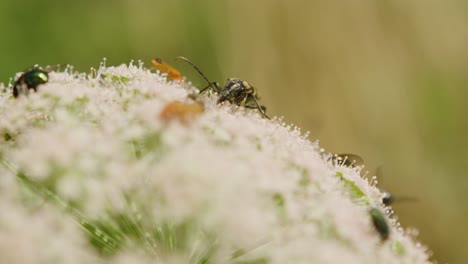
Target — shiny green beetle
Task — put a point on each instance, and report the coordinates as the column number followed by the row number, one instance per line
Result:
column 30, row 79
column 380, row 223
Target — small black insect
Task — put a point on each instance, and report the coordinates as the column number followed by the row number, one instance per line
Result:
column 30, row 79
column 235, row 91
column 348, row 160
column 380, row 223
column 388, row 199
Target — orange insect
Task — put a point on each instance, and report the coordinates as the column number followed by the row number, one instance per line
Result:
column 163, row 67
column 181, row 111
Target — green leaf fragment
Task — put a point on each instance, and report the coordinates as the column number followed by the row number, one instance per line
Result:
column 116, row 78
column 147, row 144
column 254, row 261
column 130, row 226
column 258, row 143
column 356, row 193
column 398, row 248
column 280, row 203
column 7, row 137
column 105, row 237
column 304, row 181
column 329, row 231
column 172, row 236
column 279, row 200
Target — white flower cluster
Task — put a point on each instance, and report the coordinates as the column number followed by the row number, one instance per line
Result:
column 92, row 171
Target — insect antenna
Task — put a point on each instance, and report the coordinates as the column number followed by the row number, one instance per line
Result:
column 210, row 84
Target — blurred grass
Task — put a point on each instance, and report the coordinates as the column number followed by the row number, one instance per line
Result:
column 384, row 79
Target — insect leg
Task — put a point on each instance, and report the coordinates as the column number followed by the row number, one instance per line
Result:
column 259, row 108
column 255, row 107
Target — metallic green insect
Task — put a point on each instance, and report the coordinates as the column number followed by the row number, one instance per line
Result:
column 388, row 198
column 380, row 223
column 30, row 79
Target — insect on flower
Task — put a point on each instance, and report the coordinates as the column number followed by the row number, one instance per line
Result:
column 348, row 160
column 388, row 197
column 30, row 79
column 181, row 111
column 163, row 67
column 235, row 91
column 379, row 222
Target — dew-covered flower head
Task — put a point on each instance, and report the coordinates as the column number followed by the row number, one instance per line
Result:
column 123, row 166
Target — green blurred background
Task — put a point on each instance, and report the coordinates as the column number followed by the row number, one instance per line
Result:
column 385, row 79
